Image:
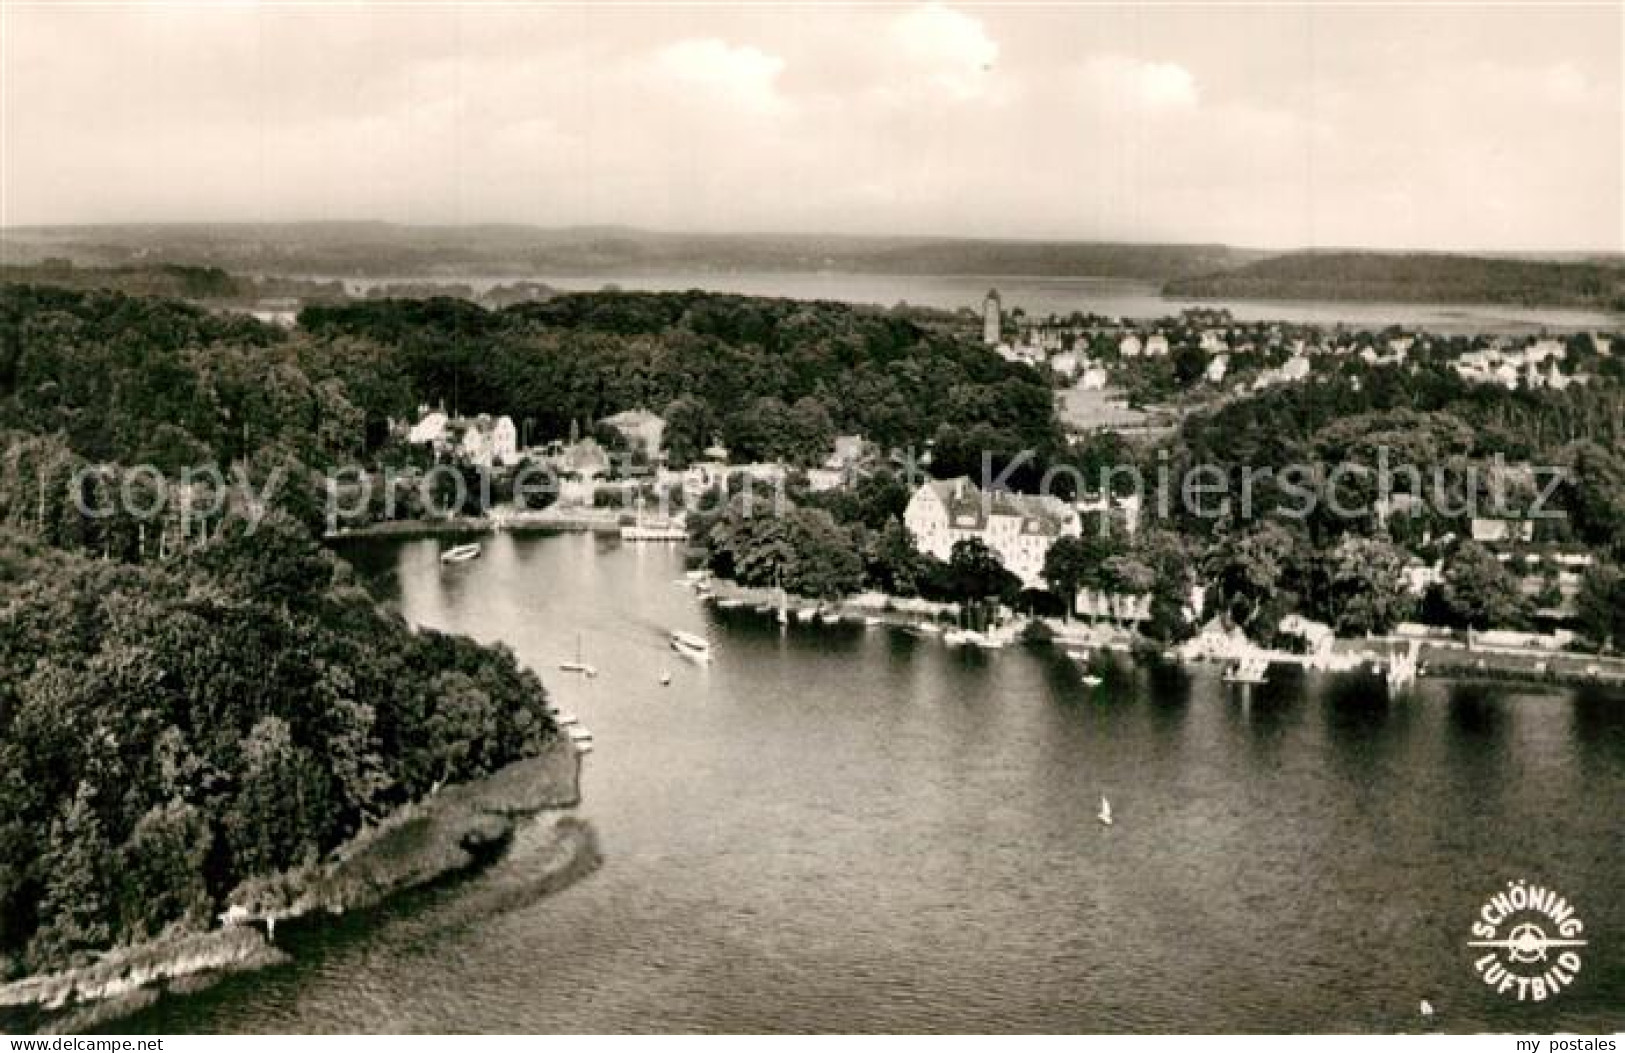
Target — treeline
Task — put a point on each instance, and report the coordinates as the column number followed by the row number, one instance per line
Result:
column 388, row 249
column 174, row 280
column 1412, row 278
column 771, row 379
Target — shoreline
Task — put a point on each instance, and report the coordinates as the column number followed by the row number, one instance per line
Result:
column 575, row 520
column 451, row 834
column 1438, row 660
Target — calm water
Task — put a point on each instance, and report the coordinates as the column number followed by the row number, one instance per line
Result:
column 845, row 830
column 1039, row 295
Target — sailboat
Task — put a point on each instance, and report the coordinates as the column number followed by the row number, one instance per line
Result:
column 578, row 666
column 1105, row 815
column 665, row 677
column 784, row 600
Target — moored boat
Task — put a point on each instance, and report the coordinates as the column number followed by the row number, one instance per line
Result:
column 461, row 553
column 691, row 646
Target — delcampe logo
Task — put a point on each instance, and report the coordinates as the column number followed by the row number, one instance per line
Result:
column 1531, row 936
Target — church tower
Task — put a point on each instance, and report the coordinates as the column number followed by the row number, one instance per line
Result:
column 992, row 319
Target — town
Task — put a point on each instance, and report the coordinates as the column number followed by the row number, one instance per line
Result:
column 1485, row 570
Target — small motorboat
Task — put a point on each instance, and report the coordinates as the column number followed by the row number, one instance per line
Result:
column 565, row 720
column 697, row 648
column 830, row 617
column 870, row 621
column 730, row 603
column 1092, row 680
column 957, row 637
column 581, row 739
column 460, row 553
column 1427, row 1008
column 1105, row 815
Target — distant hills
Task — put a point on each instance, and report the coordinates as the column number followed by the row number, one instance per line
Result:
column 1413, row 278
column 386, row 250
column 449, row 254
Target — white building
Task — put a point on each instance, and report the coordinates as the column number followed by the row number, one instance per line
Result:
column 489, row 441
column 1217, row 368
column 992, row 319
column 482, row 440
column 1130, row 346
column 1156, row 346
column 431, row 429
column 1018, row 528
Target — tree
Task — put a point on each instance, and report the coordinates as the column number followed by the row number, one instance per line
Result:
column 75, row 908
column 1068, row 565
column 1251, row 569
column 892, row 562
column 976, row 573
column 1600, row 606
column 1365, row 590
column 1479, row 593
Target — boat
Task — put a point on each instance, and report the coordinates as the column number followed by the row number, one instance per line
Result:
column 830, row 617
column 581, row 739
column 956, row 637
column 1248, row 671
column 665, row 677
column 669, row 530
column 461, row 553
column 1105, row 815
column 730, row 603
column 690, row 646
column 565, row 720
column 870, row 621
column 577, row 665
column 1091, row 679
column 925, row 628
column 1427, row 1007
column 805, row 614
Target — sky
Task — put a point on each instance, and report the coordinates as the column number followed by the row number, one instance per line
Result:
column 1469, row 127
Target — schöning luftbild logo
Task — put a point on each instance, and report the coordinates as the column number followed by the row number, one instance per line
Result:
column 1531, row 938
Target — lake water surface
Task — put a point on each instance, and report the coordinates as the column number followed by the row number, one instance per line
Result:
column 849, row 830
column 1038, row 295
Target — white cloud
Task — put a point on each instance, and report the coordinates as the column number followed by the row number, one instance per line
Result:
column 951, row 48
column 1116, row 80
column 743, row 74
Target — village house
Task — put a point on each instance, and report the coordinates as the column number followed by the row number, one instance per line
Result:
column 1018, row 528
column 643, row 431
column 484, row 440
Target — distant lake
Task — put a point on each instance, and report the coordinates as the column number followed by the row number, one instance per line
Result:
column 833, row 828
column 1039, row 295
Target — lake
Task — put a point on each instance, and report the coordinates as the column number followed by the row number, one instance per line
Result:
column 1038, row 295
column 833, row 828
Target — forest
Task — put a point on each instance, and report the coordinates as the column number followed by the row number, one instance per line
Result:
column 185, row 706
column 1412, row 278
